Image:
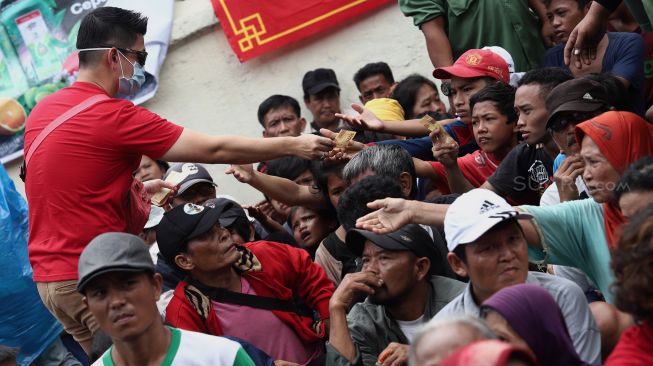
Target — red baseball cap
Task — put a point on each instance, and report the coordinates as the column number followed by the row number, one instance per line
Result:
column 476, row 63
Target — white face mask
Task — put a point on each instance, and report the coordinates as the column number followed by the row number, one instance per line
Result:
column 126, row 86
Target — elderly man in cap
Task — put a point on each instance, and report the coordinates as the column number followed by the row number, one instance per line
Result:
column 120, row 288
column 569, row 104
column 228, row 285
column 401, row 296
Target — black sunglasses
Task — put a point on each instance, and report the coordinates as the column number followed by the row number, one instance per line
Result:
column 141, row 56
column 561, row 122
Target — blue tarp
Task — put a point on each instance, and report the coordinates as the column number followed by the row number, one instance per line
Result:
column 25, row 323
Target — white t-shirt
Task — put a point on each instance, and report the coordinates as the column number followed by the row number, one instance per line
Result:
column 195, row 349
column 411, row 327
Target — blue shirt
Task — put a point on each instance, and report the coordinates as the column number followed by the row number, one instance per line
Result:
column 558, row 160
column 421, row 147
column 624, row 57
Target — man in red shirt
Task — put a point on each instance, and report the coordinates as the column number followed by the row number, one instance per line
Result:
column 227, row 285
column 78, row 180
column 494, row 125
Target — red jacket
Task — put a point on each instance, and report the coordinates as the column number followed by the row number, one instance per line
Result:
column 273, row 270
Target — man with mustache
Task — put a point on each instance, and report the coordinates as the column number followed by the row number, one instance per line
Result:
column 402, row 295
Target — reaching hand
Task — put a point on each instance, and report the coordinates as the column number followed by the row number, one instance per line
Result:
column 339, row 154
column 354, row 285
column 312, row 147
column 391, row 214
column 155, row 185
column 244, row 173
column 447, row 154
column 365, row 120
column 583, row 40
column 396, row 354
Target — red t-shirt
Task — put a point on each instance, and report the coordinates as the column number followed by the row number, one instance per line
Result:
column 635, row 347
column 78, row 179
column 475, row 167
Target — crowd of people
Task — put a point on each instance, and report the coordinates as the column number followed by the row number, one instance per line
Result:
column 511, row 225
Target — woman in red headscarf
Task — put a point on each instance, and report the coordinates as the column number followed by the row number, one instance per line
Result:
column 582, row 233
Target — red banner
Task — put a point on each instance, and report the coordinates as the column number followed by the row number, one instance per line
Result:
column 257, row 27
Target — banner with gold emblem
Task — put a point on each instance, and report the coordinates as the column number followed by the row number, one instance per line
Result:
column 257, row 27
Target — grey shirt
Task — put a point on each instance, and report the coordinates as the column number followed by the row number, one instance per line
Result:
column 372, row 329
column 579, row 319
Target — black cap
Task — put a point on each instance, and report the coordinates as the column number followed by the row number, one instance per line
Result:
column 113, row 252
column 576, row 95
column 319, row 79
column 184, row 223
column 196, row 174
column 230, row 210
column 410, row 237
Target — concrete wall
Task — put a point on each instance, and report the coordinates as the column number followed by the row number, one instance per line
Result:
column 204, row 87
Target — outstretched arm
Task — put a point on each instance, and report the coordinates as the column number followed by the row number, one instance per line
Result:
column 280, row 189
column 201, row 148
column 393, row 213
column 369, row 121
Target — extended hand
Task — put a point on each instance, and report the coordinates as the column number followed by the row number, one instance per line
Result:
column 155, row 185
column 244, row 173
column 583, row 40
column 391, row 214
column 312, row 147
column 365, row 120
column 447, row 154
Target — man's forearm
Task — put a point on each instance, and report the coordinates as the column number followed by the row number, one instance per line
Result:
column 409, row 128
column 243, row 150
column 437, row 42
column 287, row 191
column 430, row 214
column 201, row 148
column 339, row 336
column 457, row 181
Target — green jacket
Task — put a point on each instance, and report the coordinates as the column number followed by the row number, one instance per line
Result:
column 372, row 330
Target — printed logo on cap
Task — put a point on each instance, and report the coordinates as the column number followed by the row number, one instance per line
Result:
column 473, row 59
column 405, row 238
column 191, row 209
column 189, row 168
column 487, row 206
column 588, row 96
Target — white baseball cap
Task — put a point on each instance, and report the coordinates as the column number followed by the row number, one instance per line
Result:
column 504, row 55
column 475, row 213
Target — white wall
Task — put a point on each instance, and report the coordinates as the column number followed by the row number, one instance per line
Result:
column 204, row 87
